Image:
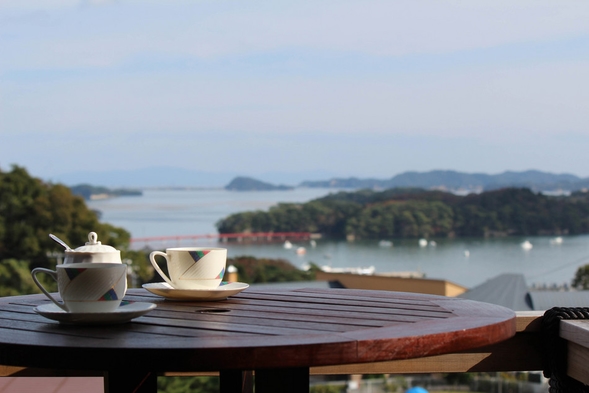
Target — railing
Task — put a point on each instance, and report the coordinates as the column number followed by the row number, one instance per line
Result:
column 520, row 353
column 523, row 352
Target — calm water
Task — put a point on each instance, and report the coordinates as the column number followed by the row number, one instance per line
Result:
column 191, row 212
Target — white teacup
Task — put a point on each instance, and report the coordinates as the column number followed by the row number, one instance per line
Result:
column 192, row 267
column 87, row 287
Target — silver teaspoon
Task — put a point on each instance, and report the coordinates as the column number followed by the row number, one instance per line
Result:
column 61, row 242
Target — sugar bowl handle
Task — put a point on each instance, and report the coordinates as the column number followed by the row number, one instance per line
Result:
column 52, row 274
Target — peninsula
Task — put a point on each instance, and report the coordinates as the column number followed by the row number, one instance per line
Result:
column 89, row 192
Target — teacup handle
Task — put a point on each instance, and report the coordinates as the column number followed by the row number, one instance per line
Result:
column 53, row 275
column 156, row 266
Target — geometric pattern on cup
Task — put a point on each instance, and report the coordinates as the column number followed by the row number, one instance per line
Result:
column 73, row 273
column 111, row 294
column 198, row 255
column 79, row 286
column 200, row 270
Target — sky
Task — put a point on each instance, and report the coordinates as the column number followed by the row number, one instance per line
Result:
column 317, row 88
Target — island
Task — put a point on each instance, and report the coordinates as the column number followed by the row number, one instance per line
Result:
column 419, row 213
column 89, row 192
column 248, row 184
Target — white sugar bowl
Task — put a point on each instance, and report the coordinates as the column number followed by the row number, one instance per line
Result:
column 93, row 251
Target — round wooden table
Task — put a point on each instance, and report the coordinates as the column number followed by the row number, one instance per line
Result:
column 278, row 334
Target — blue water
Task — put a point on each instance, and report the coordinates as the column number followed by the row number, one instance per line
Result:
column 191, row 212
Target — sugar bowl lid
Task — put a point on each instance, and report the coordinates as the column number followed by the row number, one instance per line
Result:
column 93, row 251
column 93, row 245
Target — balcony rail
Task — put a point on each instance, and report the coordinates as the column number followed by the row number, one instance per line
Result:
column 523, row 352
column 520, row 353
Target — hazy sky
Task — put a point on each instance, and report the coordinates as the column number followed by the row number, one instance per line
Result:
column 351, row 88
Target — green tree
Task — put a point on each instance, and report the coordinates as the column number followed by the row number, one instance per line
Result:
column 581, row 279
column 15, row 278
column 187, row 384
column 419, row 213
column 260, row 270
column 327, row 389
column 140, row 264
column 30, row 209
column 237, row 223
column 408, row 226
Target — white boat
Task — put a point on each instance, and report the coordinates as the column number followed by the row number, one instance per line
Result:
column 556, row 240
column 287, row 245
column 527, row 245
column 422, row 243
column 356, row 270
column 385, row 243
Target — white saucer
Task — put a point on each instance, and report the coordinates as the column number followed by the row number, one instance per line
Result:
column 126, row 312
column 223, row 291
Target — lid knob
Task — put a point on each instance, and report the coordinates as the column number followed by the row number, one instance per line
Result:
column 92, row 239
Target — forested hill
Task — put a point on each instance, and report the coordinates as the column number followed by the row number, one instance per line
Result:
column 404, row 212
column 453, row 180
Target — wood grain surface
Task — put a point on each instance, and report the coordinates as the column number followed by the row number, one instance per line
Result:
column 255, row 330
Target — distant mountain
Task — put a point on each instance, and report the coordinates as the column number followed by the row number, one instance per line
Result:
column 249, row 184
column 438, row 179
column 454, row 181
column 175, row 177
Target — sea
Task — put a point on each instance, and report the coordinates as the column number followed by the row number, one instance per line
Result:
column 549, row 262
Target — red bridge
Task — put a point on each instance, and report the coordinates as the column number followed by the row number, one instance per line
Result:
column 224, row 237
